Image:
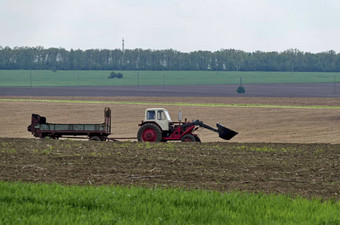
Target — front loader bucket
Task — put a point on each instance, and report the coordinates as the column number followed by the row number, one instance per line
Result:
column 225, row 133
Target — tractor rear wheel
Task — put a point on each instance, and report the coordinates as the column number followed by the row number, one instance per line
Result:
column 188, row 138
column 149, row 132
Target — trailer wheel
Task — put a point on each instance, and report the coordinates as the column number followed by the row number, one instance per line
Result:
column 48, row 137
column 188, row 138
column 149, row 133
column 103, row 138
column 95, row 138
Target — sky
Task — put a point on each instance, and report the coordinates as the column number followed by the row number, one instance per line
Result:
column 183, row 25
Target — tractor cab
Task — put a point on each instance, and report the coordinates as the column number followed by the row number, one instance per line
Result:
column 159, row 116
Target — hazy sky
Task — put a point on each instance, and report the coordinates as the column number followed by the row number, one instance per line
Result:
column 183, row 25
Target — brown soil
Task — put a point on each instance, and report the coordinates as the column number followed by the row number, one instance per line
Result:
column 283, row 125
column 252, row 90
column 309, row 170
column 253, row 164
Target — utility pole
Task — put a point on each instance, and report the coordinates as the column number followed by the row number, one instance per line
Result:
column 163, row 81
column 30, row 78
column 122, row 64
column 334, row 87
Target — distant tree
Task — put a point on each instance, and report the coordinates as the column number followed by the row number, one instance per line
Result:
column 115, row 75
column 112, row 75
column 138, row 59
column 241, row 90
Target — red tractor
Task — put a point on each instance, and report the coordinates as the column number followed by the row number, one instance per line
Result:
column 158, row 127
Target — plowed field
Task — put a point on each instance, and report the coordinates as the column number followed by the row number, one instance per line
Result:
column 254, row 124
column 306, row 164
column 310, row 170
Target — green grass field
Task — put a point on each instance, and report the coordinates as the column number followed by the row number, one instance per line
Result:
column 27, row 203
column 173, row 104
column 45, row 78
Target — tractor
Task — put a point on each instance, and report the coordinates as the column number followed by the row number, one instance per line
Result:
column 157, row 126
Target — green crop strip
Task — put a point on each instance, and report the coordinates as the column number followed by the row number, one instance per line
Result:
column 173, row 104
column 28, row 203
column 78, row 78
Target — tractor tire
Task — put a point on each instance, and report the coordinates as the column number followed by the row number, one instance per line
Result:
column 95, row 138
column 149, row 132
column 188, row 138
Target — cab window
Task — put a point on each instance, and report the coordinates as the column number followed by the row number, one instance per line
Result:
column 161, row 115
column 151, row 115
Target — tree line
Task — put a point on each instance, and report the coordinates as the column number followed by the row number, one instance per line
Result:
column 39, row 58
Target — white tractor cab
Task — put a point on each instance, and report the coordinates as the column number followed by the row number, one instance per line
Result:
column 158, row 126
column 160, row 116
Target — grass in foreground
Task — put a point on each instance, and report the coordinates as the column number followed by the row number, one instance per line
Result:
column 22, row 203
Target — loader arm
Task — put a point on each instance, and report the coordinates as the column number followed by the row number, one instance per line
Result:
column 223, row 132
column 201, row 124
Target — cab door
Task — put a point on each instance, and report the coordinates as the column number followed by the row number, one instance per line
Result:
column 162, row 120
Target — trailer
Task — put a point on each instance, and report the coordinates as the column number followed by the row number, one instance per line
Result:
column 94, row 132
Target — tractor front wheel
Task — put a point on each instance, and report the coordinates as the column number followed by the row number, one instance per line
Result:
column 188, row 138
column 149, row 133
